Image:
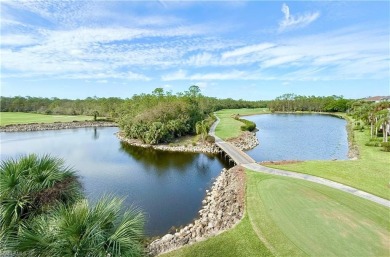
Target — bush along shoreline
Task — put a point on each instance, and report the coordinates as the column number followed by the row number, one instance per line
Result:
column 223, row 207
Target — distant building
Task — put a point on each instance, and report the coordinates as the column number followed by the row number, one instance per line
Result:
column 376, row 99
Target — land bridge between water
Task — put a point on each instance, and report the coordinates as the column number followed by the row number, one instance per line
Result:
column 239, row 157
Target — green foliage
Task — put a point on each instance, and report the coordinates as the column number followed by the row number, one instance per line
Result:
column 249, row 125
column 292, row 103
column 161, row 117
column 82, row 230
column 31, row 186
column 386, row 146
column 210, row 139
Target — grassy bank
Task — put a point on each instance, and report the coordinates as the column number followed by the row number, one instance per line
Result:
column 369, row 173
column 8, row 118
column 289, row 217
column 228, row 126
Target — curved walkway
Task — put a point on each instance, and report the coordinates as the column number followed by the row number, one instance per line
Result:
column 241, row 158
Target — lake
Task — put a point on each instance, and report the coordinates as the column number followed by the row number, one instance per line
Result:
column 168, row 187
column 299, row 137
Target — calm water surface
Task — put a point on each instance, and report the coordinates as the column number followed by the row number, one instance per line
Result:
column 169, row 187
column 299, row 137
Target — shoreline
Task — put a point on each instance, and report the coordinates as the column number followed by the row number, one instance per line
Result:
column 55, row 126
column 222, row 208
column 201, row 148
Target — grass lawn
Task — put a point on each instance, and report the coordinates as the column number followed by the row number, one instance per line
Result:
column 229, row 127
column 7, row 118
column 289, row 217
column 370, row 173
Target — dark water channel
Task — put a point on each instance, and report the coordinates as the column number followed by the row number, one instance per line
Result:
column 299, row 137
column 168, row 187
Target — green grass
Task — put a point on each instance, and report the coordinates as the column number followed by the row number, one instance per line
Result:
column 228, row 126
column 370, row 173
column 300, row 218
column 7, row 118
column 290, row 217
column 239, row 241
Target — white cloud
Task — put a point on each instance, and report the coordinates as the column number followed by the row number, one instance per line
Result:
column 291, row 22
column 280, row 60
column 17, row 40
column 228, row 75
column 246, row 50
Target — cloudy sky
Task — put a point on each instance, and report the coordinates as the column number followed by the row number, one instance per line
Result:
column 240, row 49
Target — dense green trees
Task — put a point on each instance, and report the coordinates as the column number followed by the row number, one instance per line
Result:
column 160, row 116
column 292, row 103
column 43, row 213
column 377, row 117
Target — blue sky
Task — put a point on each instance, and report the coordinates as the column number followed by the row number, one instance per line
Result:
column 240, row 49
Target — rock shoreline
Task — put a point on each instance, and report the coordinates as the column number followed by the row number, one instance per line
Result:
column 55, row 126
column 222, row 208
column 246, row 141
column 203, row 148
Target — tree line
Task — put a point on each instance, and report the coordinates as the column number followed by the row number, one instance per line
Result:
column 293, row 103
column 113, row 107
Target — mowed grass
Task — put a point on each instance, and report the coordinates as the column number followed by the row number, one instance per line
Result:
column 8, row 118
column 370, row 173
column 289, row 217
column 300, row 218
column 228, row 126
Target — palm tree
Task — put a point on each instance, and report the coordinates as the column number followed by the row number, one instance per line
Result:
column 383, row 122
column 82, row 230
column 30, row 186
column 202, row 128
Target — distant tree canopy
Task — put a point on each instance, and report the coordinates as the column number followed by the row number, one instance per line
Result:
column 292, row 103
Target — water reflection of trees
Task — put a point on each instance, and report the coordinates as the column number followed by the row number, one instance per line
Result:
column 164, row 161
column 159, row 160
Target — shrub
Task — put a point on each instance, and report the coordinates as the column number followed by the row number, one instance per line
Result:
column 210, row 139
column 249, row 125
column 83, row 230
column 373, row 143
column 386, row 146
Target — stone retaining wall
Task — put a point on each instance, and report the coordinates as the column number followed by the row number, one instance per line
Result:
column 222, row 208
column 55, row 126
column 246, row 141
column 203, row 148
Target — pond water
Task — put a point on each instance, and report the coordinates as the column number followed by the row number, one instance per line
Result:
column 299, row 137
column 168, row 187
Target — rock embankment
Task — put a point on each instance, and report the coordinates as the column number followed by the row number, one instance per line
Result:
column 222, row 208
column 55, row 126
column 199, row 148
column 246, row 141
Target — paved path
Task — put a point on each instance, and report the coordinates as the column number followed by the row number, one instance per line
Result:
column 241, row 158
